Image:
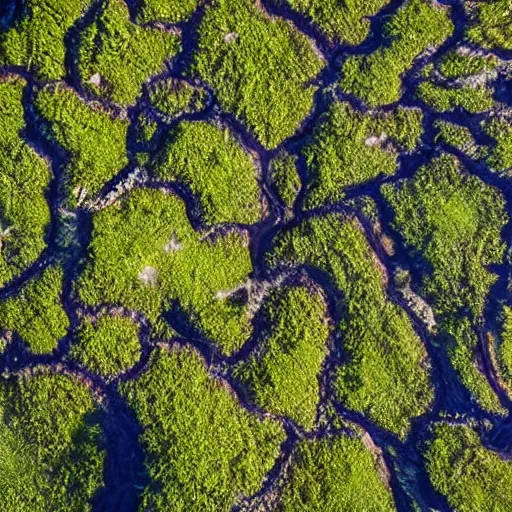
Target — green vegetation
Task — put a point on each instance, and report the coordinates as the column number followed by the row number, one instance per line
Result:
column 471, row 477
column 282, row 374
column 116, row 56
column 211, row 162
column 145, row 255
column 492, row 24
column 349, row 148
column 146, row 129
column 341, row 21
column 384, row 373
column 377, row 78
column 49, row 442
column 107, row 346
column 36, row 41
column 24, row 180
column 259, row 68
column 455, row 135
column 204, row 451
column 94, row 140
column 456, row 65
column 35, row 313
column 166, row 11
column 284, row 178
column 454, row 221
column 504, row 351
column 443, row 99
column 500, row 155
column 175, row 97
column 337, row 473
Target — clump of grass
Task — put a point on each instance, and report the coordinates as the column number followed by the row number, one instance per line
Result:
column 94, row 140
column 491, row 25
column 203, row 450
column 284, row 178
column 377, row 78
column 107, row 346
column 457, row 65
column 335, row 473
column 453, row 221
column 259, row 67
column 465, row 472
column 36, row 313
column 24, row 180
column 145, row 255
column 49, row 441
column 385, row 373
column 349, row 148
column 36, row 41
column 444, row 99
column 117, row 56
column 211, row 162
column 282, row 374
column 340, row 22
column 166, row 11
column 174, row 97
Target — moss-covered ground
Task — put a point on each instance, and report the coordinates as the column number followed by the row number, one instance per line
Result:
column 470, row 476
column 116, row 67
column 283, row 374
column 51, row 455
column 107, row 346
column 377, row 376
column 204, row 451
column 212, row 164
column 255, row 255
column 454, row 221
column 269, row 64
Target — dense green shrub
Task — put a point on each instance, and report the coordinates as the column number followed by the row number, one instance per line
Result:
column 107, row 346
column 145, row 255
column 282, row 373
column 454, row 221
column 36, row 41
column 211, row 162
column 472, row 478
column 492, row 24
column 259, row 68
column 456, row 65
column 377, row 78
column 166, row 11
column 284, row 177
column 349, row 148
column 336, row 473
column 341, row 21
column 36, row 313
column 24, row 180
column 444, row 99
column 204, row 451
column 94, row 140
column 174, row 97
column 116, row 56
column 384, row 373
column 49, row 443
